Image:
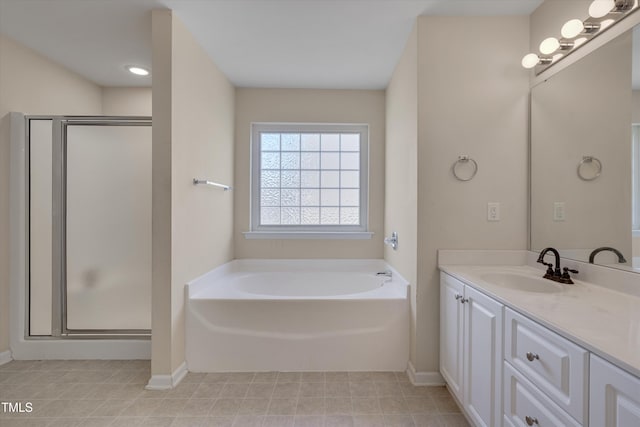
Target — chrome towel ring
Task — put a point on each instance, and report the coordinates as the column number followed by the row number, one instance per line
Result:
column 464, row 160
column 589, row 160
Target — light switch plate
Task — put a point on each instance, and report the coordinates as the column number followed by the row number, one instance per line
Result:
column 558, row 211
column 493, row 211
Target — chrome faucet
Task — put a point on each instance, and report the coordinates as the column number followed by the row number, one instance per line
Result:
column 595, row 252
column 386, row 273
column 554, row 273
column 392, row 241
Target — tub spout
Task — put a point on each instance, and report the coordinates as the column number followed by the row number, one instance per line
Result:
column 386, row 273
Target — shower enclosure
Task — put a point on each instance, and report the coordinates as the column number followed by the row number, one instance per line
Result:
column 88, row 208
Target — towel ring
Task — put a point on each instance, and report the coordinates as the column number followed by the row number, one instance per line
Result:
column 464, row 159
column 589, row 159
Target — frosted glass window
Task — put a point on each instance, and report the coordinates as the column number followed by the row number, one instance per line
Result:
column 330, row 160
column 310, row 141
column 310, row 161
column 290, row 161
column 330, row 142
column 309, row 177
column 330, row 179
column 350, row 179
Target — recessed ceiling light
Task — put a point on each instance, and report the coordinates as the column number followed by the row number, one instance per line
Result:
column 138, row 71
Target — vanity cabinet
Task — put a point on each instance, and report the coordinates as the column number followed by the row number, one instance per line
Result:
column 614, row 395
column 471, row 350
column 548, row 379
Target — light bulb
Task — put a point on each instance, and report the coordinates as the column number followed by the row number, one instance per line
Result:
column 138, row 71
column 549, row 45
column 572, row 28
column 530, row 60
column 600, row 8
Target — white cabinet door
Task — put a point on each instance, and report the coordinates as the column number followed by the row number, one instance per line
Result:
column 451, row 332
column 614, row 396
column 483, row 358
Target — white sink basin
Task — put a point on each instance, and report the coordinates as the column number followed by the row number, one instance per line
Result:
column 522, row 282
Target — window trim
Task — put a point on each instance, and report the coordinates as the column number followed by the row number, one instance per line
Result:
column 309, row 231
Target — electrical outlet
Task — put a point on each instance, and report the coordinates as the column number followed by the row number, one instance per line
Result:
column 558, row 211
column 493, row 211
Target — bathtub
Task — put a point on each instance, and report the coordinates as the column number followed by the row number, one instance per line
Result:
column 297, row 315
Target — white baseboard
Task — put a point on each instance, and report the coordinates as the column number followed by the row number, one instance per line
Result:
column 167, row 382
column 5, row 357
column 423, row 378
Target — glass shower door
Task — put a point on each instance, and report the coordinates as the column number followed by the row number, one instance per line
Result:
column 107, row 228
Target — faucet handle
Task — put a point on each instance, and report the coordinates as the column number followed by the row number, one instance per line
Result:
column 566, row 278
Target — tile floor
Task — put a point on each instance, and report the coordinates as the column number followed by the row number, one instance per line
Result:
column 111, row 393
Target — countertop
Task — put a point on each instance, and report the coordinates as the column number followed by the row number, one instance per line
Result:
column 603, row 321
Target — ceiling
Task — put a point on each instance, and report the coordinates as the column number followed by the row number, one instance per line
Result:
column 337, row 44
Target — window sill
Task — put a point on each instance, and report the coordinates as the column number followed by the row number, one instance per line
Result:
column 357, row 235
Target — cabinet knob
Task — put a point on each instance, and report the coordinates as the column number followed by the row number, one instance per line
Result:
column 531, row 420
column 531, row 357
column 458, row 296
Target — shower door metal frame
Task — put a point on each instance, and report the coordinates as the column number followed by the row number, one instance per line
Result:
column 59, row 327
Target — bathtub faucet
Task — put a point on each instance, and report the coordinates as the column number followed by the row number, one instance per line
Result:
column 386, row 273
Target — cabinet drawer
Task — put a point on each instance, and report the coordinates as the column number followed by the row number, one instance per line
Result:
column 523, row 400
column 555, row 365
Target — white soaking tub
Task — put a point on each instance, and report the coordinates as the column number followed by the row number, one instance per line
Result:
column 298, row 315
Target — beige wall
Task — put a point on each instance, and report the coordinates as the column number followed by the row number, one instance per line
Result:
column 192, row 137
column 401, row 168
column 126, row 101
column 305, row 106
column 31, row 84
column 473, row 102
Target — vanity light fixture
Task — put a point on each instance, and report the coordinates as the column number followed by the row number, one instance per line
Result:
column 138, row 71
column 606, row 23
column 602, row 14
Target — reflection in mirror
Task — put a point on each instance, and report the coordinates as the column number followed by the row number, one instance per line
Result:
column 581, row 151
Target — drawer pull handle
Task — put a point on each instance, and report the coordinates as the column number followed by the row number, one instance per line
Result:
column 458, row 296
column 531, row 357
column 531, row 420
column 463, row 300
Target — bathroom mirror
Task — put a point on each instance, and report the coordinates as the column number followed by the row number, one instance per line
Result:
column 582, row 123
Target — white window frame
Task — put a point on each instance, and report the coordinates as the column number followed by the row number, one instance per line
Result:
column 258, row 231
